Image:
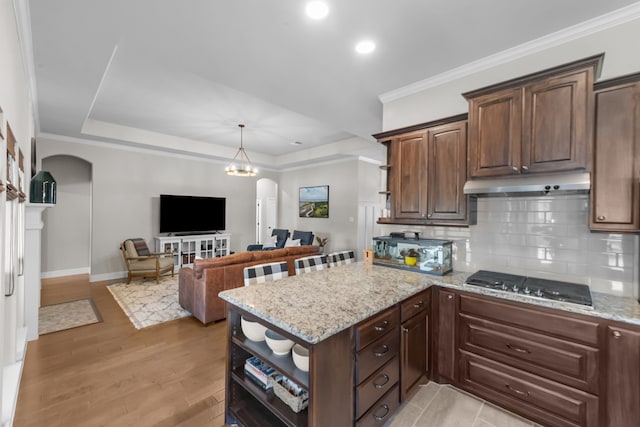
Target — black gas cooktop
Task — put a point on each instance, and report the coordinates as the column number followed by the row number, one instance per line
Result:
column 573, row 293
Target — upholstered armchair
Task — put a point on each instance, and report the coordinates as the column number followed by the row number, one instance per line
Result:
column 281, row 236
column 143, row 263
column 306, row 237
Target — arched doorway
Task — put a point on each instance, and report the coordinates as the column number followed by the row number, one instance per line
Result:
column 66, row 237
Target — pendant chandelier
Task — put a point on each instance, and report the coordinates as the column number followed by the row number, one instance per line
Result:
column 241, row 165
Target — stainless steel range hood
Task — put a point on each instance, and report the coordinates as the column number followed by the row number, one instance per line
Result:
column 531, row 185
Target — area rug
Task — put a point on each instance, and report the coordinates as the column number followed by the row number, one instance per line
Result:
column 67, row 315
column 148, row 303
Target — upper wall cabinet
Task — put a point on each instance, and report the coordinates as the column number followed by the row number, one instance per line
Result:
column 539, row 123
column 426, row 173
column 615, row 194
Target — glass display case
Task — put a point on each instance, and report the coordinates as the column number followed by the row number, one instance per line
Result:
column 432, row 256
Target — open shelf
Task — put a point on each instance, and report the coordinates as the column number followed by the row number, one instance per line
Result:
column 268, row 397
column 283, row 364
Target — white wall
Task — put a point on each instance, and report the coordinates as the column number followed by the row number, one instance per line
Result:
column 350, row 182
column 127, row 184
column 443, row 100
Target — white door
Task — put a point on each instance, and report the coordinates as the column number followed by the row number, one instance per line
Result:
column 272, row 215
column 258, row 221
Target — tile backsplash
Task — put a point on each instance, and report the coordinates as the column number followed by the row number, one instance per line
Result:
column 545, row 237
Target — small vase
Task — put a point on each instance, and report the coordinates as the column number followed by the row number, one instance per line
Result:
column 321, row 249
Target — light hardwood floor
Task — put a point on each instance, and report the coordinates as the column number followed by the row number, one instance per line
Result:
column 111, row 374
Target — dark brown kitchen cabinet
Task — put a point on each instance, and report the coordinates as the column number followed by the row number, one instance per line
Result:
column 615, row 194
column 445, row 313
column 409, row 166
column 414, row 341
column 427, row 172
column 623, row 375
column 538, row 123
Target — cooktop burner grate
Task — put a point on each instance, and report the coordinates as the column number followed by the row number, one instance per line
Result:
column 553, row 290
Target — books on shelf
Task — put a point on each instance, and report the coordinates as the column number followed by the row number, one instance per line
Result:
column 259, row 372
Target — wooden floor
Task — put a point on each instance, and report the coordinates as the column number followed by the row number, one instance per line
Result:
column 111, row 374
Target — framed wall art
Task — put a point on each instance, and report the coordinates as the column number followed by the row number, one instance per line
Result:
column 313, row 202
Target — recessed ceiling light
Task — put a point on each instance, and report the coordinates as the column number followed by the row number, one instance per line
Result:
column 317, row 10
column 365, row 46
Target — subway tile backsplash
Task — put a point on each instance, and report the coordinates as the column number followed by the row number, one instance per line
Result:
column 545, row 237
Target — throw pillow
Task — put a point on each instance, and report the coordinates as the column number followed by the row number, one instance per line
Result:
column 292, row 242
column 270, row 242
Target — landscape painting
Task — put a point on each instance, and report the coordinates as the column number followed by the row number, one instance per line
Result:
column 314, row 202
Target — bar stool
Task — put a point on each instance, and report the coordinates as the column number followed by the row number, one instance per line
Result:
column 310, row 263
column 262, row 273
column 340, row 258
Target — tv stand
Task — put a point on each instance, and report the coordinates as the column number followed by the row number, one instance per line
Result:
column 187, row 247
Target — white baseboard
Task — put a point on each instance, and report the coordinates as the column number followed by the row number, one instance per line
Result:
column 62, row 273
column 107, row 276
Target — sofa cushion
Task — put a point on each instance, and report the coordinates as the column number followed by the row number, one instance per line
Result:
column 270, row 254
column 239, row 258
column 298, row 250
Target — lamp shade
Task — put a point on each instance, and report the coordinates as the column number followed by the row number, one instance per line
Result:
column 43, row 188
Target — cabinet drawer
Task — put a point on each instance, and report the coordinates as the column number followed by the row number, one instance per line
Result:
column 371, row 358
column 564, row 361
column 414, row 305
column 381, row 411
column 551, row 322
column 378, row 384
column 374, row 328
column 527, row 394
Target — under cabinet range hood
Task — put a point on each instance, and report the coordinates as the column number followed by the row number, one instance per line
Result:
column 532, row 185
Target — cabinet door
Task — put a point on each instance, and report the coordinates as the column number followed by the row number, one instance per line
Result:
column 447, row 168
column 615, row 196
column 446, row 336
column 623, row 377
column 557, row 118
column 414, row 351
column 495, row 131
column 409, row 167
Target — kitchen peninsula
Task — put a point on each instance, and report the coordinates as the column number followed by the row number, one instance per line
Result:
column 344, row 313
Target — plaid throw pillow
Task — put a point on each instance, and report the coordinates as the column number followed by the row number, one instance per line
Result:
column 141, row 246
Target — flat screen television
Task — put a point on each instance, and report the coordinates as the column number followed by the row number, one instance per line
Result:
column 192, row 214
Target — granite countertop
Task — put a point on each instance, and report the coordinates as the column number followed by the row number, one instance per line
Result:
column 317, row 305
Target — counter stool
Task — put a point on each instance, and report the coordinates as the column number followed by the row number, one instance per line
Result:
column 310, row 263
column 340, row 258
column 262, row 273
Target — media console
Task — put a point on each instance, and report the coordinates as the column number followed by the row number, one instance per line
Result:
column 186, row 248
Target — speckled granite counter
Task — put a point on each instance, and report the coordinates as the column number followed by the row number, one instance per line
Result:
column 316, row 305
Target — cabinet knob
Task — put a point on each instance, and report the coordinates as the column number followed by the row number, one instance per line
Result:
column 449, row 296
column 525, row 168
column 515, row 169
column 616, row 334
column 600, row 218
column 429, row 216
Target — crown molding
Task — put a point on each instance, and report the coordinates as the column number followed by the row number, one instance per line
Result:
column 600, row 23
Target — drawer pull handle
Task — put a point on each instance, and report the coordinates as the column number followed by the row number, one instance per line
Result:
column 419, row 305
column 385, row 349
column 518, row 349
column 386, row 412
column 516, row 391
column 385, row 377
column 382, row 326
column 449, row 296
column 616, row 334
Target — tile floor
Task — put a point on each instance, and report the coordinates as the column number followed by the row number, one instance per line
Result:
column 445, row 406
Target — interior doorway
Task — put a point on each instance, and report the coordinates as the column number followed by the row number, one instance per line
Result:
column 266, row 208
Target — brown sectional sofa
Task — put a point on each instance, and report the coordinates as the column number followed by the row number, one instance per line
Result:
column 199, row 286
